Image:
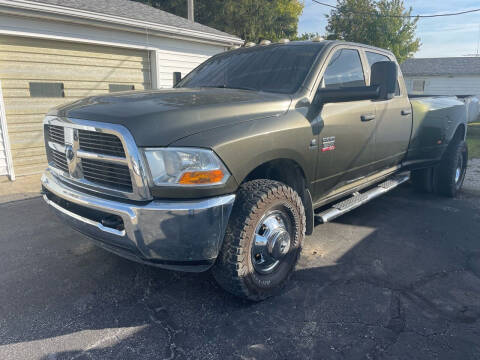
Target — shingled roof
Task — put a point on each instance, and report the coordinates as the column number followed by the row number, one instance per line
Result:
column 136, row 11
column 441, row 66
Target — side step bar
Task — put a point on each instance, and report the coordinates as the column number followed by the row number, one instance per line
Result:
column 359, row 199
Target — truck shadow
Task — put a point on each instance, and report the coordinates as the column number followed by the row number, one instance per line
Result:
column 401, row 265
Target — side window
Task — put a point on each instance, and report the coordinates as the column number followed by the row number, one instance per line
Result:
column 344, row 70
column 372, row 58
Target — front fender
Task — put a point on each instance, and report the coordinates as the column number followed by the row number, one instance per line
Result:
column 247, row 145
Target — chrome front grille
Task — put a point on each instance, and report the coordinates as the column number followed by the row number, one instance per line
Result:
column 59, row 160
column 108, row 174
column 100, row 143
column 96, row 156
column 56, row 134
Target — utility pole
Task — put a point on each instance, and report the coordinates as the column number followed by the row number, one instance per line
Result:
column 190, row 11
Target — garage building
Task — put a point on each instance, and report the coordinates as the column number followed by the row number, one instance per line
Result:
column 54, row 52
column 442, row 76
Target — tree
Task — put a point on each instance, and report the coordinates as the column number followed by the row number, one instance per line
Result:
column 251, row 20
column 307, row 36
column 382, row 23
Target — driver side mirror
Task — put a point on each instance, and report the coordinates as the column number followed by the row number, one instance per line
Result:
column 383, row 81
column 177, row 77
column 384, row 75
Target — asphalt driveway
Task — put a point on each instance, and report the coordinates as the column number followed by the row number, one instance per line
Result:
column 398, row 278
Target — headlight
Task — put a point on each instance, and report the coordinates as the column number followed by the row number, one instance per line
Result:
column 185, row 166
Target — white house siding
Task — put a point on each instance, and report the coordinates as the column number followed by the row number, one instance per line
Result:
column 446, row 85
column 174, row 56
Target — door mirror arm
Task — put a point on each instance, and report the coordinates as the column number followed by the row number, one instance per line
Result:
column 345, row 94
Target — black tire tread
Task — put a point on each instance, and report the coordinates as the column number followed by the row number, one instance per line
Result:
column 231, row 267
column 444, row 181
column 422, row 180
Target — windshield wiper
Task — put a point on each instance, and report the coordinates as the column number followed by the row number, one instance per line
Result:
column 228, row 87
column 244, row 88
column 214, row 86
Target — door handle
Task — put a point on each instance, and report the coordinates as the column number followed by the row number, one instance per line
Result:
column 406, row 112
column 367, row 117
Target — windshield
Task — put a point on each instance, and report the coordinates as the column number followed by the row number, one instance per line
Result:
column 274, row 68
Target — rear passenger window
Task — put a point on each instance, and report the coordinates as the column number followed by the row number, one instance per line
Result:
column 372, row 58
column 344, row 70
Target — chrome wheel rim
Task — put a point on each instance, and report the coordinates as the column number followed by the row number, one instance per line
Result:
column 460, row 170
column 458, row 174
column 271, row 241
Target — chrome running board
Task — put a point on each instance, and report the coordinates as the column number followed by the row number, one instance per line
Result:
column 357, row 199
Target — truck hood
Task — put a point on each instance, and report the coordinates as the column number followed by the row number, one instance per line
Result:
column 160, row 117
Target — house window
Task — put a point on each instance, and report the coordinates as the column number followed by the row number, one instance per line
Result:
column 49, row 90
column 120, row 87
column 418, row 85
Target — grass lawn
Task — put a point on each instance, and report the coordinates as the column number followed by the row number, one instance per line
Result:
column 473, row 140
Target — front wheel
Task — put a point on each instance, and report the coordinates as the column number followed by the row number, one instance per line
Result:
column 262, row 241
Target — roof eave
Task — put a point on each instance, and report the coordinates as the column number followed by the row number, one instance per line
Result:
column 132, row 24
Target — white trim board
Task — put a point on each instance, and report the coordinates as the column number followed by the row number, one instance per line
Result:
column 31, row 8
column 6, row 141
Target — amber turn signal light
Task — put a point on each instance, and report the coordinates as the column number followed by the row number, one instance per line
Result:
column 202, row 177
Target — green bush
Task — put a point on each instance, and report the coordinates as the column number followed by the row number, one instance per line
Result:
column 473, row 140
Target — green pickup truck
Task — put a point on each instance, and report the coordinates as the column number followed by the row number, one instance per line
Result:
column 228, row 170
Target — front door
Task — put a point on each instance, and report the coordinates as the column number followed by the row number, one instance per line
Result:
column 347, row 138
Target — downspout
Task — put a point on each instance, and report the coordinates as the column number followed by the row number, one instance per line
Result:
column 6, row 141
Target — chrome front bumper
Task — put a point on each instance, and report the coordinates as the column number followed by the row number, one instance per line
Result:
column 179, row 235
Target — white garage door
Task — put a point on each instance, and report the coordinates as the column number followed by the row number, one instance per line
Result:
column 40, row 74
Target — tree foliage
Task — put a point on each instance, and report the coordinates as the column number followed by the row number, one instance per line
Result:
column 307, row 36
column 379, row 23
column 251, row 20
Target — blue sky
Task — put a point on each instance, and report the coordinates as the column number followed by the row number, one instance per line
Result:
column 443, row 36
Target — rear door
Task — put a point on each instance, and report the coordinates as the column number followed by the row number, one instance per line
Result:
column 347, row 139
column 393, row 121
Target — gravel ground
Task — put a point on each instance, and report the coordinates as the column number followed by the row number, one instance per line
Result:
column 472, row 178
column 398, row 278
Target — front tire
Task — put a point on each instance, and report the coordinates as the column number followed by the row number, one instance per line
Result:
column 263, row 240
